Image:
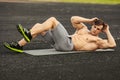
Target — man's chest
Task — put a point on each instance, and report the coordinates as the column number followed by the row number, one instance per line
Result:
column 85, row 42
column 87, row 38
column 82, row 31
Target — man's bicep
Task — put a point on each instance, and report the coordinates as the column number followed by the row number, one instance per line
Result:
column 79, row 25
column 103, row 44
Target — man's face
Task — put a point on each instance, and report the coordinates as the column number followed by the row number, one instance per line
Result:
column 95, row 30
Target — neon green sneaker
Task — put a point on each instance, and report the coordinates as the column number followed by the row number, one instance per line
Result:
column 24, row 32
column 14, row 46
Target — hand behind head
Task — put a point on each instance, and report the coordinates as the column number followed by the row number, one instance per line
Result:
column 105, row 27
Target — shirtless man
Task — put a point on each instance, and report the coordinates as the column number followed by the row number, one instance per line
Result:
column 54, row 33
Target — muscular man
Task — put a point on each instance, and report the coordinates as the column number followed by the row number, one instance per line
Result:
column 54, row 33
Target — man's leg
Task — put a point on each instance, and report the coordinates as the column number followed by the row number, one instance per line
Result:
column 40, row 29
column 34, row 31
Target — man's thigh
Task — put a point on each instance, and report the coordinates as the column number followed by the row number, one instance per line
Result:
column 61, row 39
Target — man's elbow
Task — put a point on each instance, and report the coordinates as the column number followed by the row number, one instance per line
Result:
column 112, row 45
column 74, row 19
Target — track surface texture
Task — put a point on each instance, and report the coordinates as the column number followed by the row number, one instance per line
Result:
column 83, row 66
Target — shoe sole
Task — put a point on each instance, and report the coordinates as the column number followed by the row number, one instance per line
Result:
column 12, row 49
column 21, row 30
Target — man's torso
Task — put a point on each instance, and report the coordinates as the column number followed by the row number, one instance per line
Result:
column 83, row 40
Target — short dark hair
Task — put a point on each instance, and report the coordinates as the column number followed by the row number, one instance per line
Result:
column 100, row 22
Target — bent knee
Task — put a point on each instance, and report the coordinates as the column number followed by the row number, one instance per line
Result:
column 73, row 19
column 54, row 20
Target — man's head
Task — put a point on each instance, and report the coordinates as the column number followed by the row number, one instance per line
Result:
column 97, row 27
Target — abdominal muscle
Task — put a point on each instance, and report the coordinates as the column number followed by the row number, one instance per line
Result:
column 82, row 42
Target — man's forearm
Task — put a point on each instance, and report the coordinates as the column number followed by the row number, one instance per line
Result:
column 111, row 40
column 79, row 19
